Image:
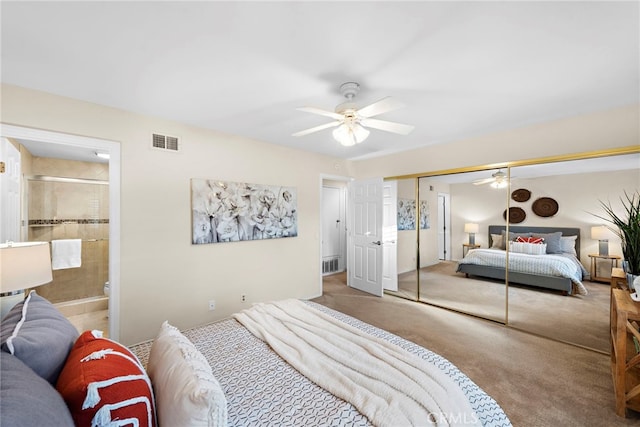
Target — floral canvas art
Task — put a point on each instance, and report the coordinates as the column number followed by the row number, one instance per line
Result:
column 407, row 214
column 225, row 211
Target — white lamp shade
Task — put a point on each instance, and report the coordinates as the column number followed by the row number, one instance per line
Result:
column 471, row 228
column 601, row 232
column 24, row 265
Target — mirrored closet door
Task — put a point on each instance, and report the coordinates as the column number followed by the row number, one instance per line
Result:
column 561, row 207
column 458, row 232
column 461, row 207
column 406, row 239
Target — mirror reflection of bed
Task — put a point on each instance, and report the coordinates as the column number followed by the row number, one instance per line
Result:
column 577, row 319
column 549, row 292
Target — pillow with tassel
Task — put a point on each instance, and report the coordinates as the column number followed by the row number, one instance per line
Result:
column 103, row 383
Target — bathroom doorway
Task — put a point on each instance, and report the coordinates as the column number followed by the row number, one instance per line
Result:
column 101, row 233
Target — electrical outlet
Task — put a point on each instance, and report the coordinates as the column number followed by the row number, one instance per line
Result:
column 212, row 305
column 243, row 298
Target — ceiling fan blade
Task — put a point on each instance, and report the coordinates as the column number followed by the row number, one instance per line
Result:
column 321, row 112
column 393, row 127
column 483, row 181
column 317, row 128
column 384, row 105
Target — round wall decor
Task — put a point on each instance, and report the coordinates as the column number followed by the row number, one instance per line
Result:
column 545, row 207
column 521, row 195
column 516, row 215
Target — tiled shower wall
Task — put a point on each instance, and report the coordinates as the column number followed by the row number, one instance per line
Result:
column 61, row 210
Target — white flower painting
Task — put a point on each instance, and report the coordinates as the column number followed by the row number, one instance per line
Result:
column 407, row 214
column 233, row 211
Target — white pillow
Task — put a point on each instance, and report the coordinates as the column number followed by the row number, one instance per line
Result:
column 496, row 241
column 568, row 245
column 187, row 393
column 528, row 248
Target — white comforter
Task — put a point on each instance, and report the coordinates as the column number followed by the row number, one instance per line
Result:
column 549, row 265
column 383, row 381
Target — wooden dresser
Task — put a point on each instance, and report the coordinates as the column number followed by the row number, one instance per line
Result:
column 625, row 360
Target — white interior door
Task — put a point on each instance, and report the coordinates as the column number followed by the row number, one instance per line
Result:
column 390, row 235
column 10, row 192
column 364, row 271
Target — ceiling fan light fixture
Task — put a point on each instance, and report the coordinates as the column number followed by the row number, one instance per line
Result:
column 499, row 183
column 349, row 135
column 350, row 121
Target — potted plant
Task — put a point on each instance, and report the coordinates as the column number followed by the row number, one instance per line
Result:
column 627, row 228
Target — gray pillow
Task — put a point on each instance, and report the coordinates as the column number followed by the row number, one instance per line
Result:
column 568, row 245
column 27, row 399
column 42, row 339
column 552, row 240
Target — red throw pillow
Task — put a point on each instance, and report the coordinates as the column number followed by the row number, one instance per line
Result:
column 537, row 240
column 103, row 381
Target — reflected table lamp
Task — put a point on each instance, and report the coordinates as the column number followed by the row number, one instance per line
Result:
column 602, row 234
column 22, row 265
column 472, row 229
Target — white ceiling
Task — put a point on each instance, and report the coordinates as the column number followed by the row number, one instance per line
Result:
column 462, row 68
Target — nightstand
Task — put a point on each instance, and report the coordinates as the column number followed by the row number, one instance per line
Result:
column 594, row 267
column 467, row 247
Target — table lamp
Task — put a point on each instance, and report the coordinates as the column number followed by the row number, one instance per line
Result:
column 472, row 229
column 602, row 234
column 22, row 265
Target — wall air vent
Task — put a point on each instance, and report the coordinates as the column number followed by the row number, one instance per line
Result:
column 165, row 142
column 329, row 265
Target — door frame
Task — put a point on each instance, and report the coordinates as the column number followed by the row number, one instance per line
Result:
column 342, row 221
column 346, row 180
column 103, row 145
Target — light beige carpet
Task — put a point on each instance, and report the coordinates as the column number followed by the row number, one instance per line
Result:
column 537, row 381
column 578, row 319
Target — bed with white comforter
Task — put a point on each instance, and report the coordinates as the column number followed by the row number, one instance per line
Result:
column 558, row 269
column 294, row 363
column 559, row 265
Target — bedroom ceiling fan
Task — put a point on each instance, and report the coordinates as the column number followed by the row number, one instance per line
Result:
column 498, row 180
column 351, row 123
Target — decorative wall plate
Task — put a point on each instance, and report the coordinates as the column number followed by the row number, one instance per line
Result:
column 516, row 215
column 545, row 207
column 521, row 195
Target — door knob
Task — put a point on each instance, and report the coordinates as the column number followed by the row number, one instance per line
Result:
column 378, row 242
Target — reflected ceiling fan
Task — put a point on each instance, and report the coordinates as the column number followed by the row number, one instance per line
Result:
column 498, row 180
column 351, row 123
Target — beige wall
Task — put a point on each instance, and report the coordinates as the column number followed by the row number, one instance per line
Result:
column 598, row 131
column 163, row 276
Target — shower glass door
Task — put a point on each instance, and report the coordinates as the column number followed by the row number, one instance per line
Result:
column 68, row 208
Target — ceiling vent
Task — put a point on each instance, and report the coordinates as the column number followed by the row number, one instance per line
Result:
column 165, row 142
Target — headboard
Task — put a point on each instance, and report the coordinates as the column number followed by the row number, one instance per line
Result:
column 566, row 231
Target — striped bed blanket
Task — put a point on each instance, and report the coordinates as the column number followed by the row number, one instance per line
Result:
column 544, row 265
